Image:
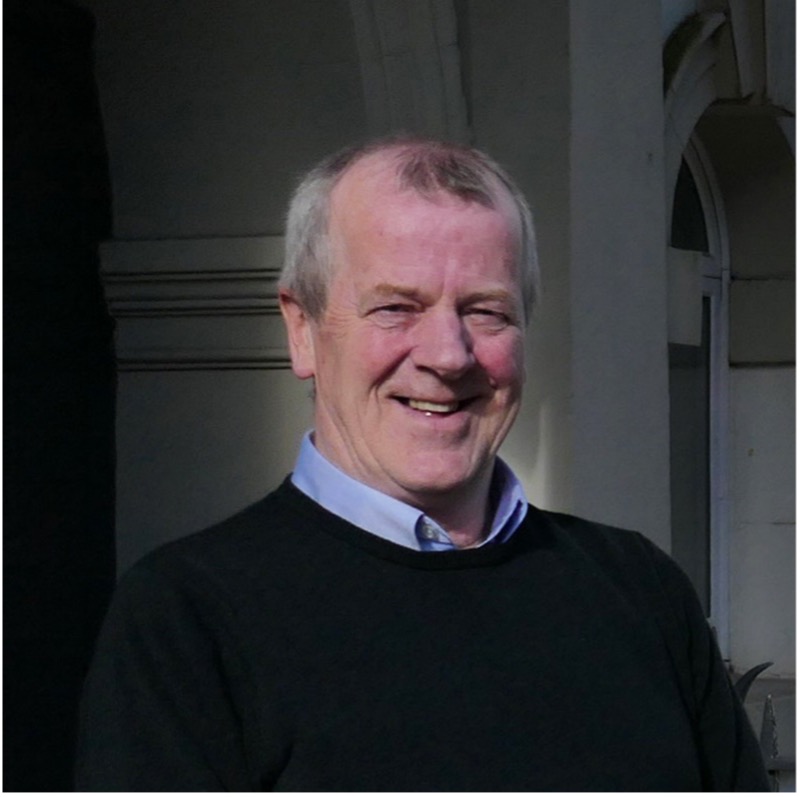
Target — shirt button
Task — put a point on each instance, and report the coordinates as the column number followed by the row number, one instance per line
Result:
column 428, row 531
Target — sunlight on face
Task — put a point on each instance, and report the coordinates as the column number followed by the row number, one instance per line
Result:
column 418, row 357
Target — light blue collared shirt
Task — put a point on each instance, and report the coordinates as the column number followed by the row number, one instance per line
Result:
column 386, row 517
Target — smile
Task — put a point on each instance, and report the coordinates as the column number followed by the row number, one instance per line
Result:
column 430, row 406
column 433, row 407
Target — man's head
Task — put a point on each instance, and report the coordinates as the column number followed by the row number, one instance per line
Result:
column 423, row 165
column 410, row 270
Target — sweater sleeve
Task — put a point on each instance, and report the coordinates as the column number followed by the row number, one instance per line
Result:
column 160, row 709
column 728, row 752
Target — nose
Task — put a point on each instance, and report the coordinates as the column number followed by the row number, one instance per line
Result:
column 443, row 344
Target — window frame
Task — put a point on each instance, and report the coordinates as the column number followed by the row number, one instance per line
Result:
column 715, row 285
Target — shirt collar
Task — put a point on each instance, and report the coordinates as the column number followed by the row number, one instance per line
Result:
column 391, row 519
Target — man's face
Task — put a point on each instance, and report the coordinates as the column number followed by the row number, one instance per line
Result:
column 418, row 356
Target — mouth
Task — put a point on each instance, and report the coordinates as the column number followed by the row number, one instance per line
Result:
column 433, row 407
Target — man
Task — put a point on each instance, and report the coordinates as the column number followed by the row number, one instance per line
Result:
column 395, row 616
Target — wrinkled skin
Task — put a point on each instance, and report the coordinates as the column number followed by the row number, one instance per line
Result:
column 418, row 356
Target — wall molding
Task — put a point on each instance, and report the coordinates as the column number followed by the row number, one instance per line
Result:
column 199, row 303
column 410, row 67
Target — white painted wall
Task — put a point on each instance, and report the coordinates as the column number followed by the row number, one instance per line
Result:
column 518, row 88
column 763, row 518
column 553, row 96
column 618, row 267
column 196, row 446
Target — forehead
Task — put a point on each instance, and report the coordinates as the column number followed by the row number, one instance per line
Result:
column 390, row 240
column 369, row 200
column 379, row 173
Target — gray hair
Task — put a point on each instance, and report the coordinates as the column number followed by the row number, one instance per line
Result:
column 424, row 165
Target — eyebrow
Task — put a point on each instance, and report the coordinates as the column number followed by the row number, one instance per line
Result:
column 491, row 296
column 387, row 289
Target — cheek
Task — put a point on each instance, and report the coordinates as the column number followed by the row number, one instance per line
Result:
column 371, row 356
column 504, row 363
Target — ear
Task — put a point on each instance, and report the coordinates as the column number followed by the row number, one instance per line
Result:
column 300, row 333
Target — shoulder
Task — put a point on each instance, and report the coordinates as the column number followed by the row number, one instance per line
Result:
column 239, row 553
column 633, row 562
column 595, row 539
column 653, row 586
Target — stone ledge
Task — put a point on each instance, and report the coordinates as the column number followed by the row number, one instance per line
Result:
column 201, row 303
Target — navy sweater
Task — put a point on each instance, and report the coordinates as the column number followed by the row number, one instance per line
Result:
column 287, row 649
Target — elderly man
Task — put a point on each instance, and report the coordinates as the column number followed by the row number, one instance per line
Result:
column 395, row 616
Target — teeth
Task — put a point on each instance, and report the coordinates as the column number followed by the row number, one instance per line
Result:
column 430, row 406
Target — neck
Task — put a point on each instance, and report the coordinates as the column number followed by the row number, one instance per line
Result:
column 464, row 512
column 466, row 518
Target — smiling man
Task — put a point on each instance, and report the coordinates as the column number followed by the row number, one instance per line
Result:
column 396, row 616
column 417, row 356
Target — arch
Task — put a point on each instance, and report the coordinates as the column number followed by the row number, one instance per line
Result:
column 722, row 115
column 410, row 66
column 689, row 59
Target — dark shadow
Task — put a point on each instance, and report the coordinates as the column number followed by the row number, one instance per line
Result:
column 59, row 387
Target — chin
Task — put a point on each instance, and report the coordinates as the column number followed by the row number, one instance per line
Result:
column 440, row 484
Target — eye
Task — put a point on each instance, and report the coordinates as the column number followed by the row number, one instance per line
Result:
column 392, row 314
column 488, row 318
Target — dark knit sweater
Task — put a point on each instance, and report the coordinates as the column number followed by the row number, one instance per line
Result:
column 287, row 649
